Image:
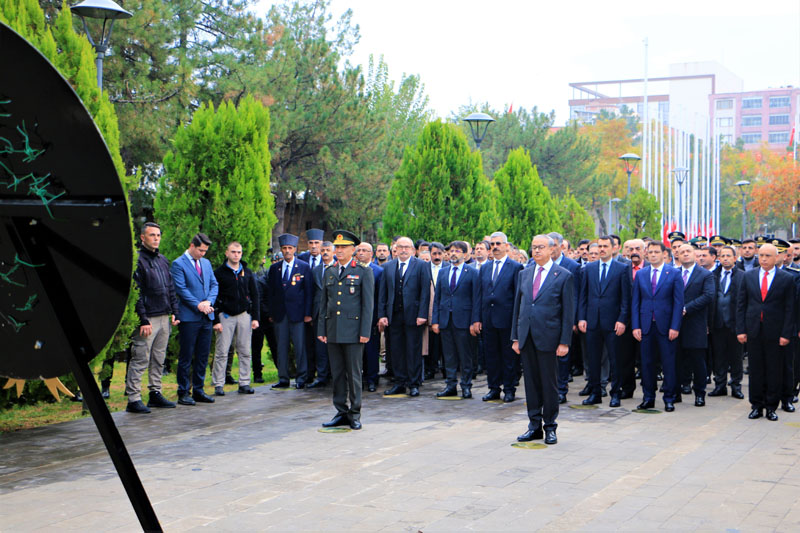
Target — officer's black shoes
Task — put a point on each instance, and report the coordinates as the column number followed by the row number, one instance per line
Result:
column 355, row 425
column 646, row 405
column 699, row 401
column 509, row 397
column 258, row 379
column 736, row 392
column 593, row 399
column 137, row 407
column 686, row 389
column 449, row 391
column 614, row 402
column 719, row 390
column 314, row 384
column 788, row 407
column 466, row 393
column 229, row 380
column 493, row 394
column 550, row 437
column 372, row 387
column 185, row 400
column 562, row 398
column 281, row 385
column 531, row 434
column 669, row 407
column 219, row 391
column 157, row 400
column 246, row 389
column 300, row 385
column 413, row 392
column 771, row 415
column 338, row 420
column 397, row 389
column 587, row 390
column 201, row 397
column 755, row 413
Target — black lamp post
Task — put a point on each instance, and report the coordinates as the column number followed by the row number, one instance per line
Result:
column 681, row 173
column 478, row 124
column 108, row 12
column 630, row 161
column 742, row 184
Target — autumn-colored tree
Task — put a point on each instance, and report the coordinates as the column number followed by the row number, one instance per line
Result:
column 775, row 198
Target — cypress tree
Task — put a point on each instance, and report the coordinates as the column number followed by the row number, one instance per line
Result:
column 216, row 181
column 524, row 203
column 576, row 222
column 440, row 191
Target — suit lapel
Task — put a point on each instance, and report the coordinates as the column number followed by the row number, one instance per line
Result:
column 662, row 277
column 546, row 281
column 604, row 284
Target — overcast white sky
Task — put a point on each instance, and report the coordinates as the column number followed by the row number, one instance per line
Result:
column 527, row 52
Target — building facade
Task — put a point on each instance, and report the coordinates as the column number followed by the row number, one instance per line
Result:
column 755, row 117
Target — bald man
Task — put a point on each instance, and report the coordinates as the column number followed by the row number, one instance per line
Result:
column 765, row 321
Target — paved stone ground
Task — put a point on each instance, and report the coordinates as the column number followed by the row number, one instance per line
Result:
column 255, row 463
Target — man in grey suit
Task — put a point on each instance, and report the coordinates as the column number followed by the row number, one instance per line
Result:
column 541, row 331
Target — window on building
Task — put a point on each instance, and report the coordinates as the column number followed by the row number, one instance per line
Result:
column 781, row 137
column 725, row 122
column 779, row 101
column 778, row 119
column 726, row 139
column 751, row 120
column 725, row 104
column 751, row 138
column 751, row 103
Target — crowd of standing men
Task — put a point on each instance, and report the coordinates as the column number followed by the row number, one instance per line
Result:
column 680, row 314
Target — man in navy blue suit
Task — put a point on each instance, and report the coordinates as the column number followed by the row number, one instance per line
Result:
column 656, row 309
column 456, row 314
column 371, row 363
column 498, row 285
column 197, row 290
column 312, row 256
column 326, row 259
column 698, row 298
column 403, row 307
column 603, row 311
column 563, row 261
column 290, row 287
column 541, row 331
column 727, row 351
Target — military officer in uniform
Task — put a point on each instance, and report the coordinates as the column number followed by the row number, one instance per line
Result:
column 344, row 324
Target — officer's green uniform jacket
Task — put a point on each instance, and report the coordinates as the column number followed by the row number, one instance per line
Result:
column 347, row 303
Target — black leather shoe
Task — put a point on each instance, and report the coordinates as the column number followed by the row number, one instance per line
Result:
column 413, row 392
column 593, row 399
column 280, row 385
column 372, row 387
column 531, row 434
column 219, row 391
column 659, row 377
column 202, row 397
column 626, row 396
column 246, row 389
column 258, row 379
column 229, row 380
column 562, row 398
column 678, row 399
column 397, row 389
column 300, row 385
column 106, row 393
column 550, row 437
column 669, row 407
column 157, row 400
column 355, row 424
column 587, row 390
column 699, row 401
column 185, row 400
column 493, row 394
column 315, row 384
column 614, row 402
column 449, row 391
column 771, row 415
column 755, row 413
column 466, row 393
column 736, row 392
column 338, row 420
column 788, row 407
column 646, row 405
column 719, row 390
column 686, row 389
column 509, row 397
column 137, row 407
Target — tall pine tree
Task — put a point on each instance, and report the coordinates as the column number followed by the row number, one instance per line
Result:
column 440, row 191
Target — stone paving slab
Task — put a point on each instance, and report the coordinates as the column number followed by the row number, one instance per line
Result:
column 259, row 463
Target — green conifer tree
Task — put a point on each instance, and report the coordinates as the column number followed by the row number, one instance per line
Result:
column 576, row 222
column 216, row 181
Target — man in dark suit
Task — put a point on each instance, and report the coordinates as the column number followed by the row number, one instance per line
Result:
column 564, row 363
column 656, row 311
column 726, row 350
column 498, row 286
column 603, row 311
column 698, row 299
column 290, row 287
column 456, row 313
column 541, row 330
column 312, row 256
column 320, row 348
column 403, row 307
column 345, row 322
column 765, row 321
column 371, row 362
column 197, row 291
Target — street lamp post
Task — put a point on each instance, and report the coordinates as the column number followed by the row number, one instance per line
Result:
column 610, row 218
column 742, row 184
column 630, row 161
column 108, row 12
column 681, row 173
column 478, row 124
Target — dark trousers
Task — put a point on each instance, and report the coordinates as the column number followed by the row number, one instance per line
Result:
column 323, row 362
column 626, row 362
column 457, row 347
column 787, row 387
column 264, row 330
column 501, row 360
column 541, row 388
column 406, row 345
column 596, row 339
column 311, row 350
column 654, row 344
column 371, row 363
column 766, row 360
column 727, row 352
column 345, row 362
column 692, row 368
column 434, row 360
column 563, row 374
column 296, row 332
column 195, row 342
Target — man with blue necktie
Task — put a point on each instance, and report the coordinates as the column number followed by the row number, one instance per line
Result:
column 558, row 257
column 657, row 309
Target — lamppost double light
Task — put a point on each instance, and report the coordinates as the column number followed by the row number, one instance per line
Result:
column 681, row 173
column 108, row 12
column 630, row 161
column 742, row 184
column 478, row 124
